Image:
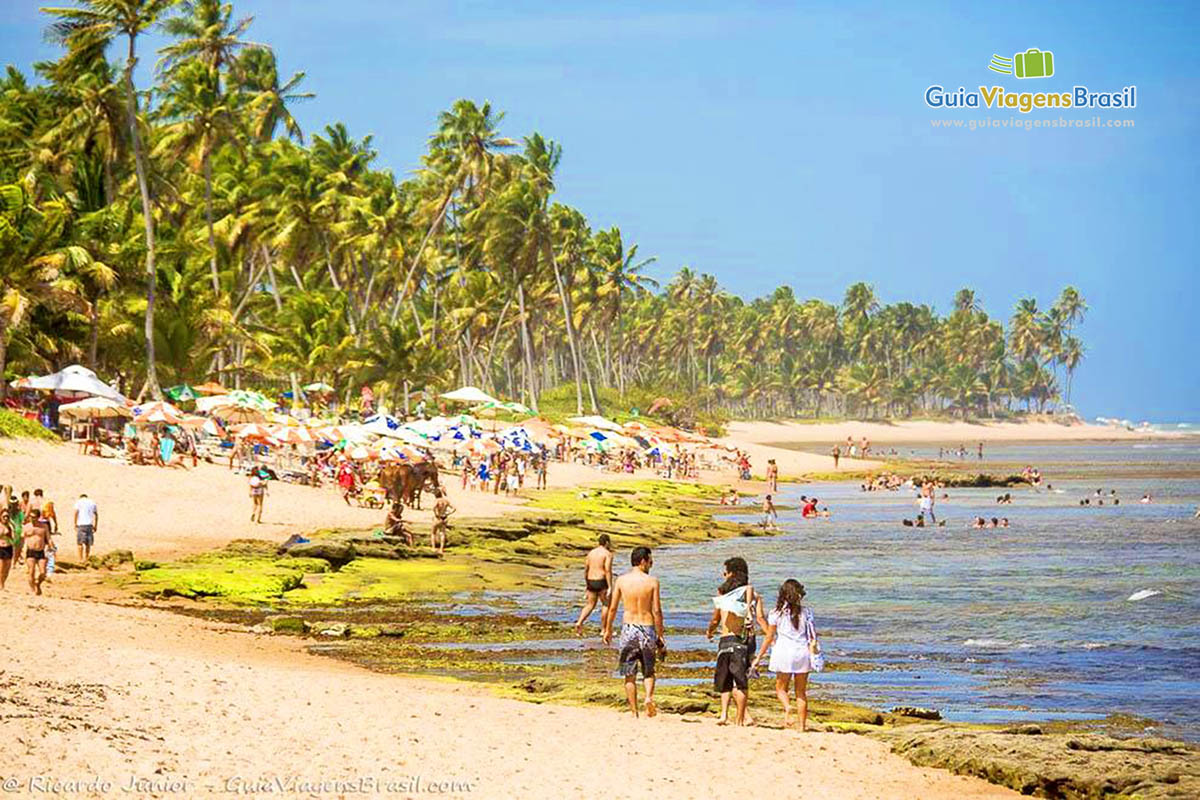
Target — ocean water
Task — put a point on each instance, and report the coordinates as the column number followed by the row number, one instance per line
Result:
column 1030, row 622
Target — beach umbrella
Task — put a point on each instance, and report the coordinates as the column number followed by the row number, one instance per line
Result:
column 319, row 387
column 594, row 421
column 239, row 414
column 469, row 394
column 75, row 379
column 362, row 452
column 381, row 424
column 251, row 430
column 401, row 453
column 207, row 425
column 210, row 388
column 490, row 408
column 290, row 434
column 181, row 392
column 156, row 412
column 94, row 408
column 245, row 397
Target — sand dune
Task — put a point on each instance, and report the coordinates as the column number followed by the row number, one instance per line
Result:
column 102, row 693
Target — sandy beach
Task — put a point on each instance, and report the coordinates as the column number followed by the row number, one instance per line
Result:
column 103, row 693
column 159, row 512
column 133, row 693
column 929, row 431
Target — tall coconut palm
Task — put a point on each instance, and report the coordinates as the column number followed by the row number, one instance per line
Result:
column 92, row 24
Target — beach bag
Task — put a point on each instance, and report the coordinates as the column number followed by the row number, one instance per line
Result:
column 815, row 657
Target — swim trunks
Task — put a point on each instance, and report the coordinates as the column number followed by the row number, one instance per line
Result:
column 596, row 585
column 6, row 552
column 637, row 649
column 85, row 534
column 733, row 663
column 34, row 555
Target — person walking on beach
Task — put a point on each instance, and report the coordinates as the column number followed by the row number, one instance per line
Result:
column 772, row 476
column 258, row 491
column 37, row 545
column 837, row 454
column 541, row 470
column 641, row 627
column 790, row 628
column 597, row 580
column 441, row 522
column 87, row 521
column 770, row 515
column 6, row 545
column 734, row 614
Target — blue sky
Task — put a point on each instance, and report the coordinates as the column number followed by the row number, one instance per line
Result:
column 766, row 143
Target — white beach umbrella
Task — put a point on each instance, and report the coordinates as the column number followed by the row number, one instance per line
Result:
column 95, row 408
column 75, row 379
column 469, row 394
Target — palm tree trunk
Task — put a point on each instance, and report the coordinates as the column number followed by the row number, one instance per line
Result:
column 566, row 304
column 526, row 347
column 437, row 221
column 266, row 255
column 93, row 336
column 3, row 362
column 139, row 162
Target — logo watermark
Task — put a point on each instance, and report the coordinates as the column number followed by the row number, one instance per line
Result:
column 1031, row 63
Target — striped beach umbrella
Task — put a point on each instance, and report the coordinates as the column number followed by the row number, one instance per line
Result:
column 251, row 430
column 158, row 411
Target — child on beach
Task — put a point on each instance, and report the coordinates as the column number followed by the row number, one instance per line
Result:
column 790, row 628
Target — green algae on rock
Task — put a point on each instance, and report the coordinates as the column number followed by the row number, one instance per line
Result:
column 483, row 555
column 1067, row 766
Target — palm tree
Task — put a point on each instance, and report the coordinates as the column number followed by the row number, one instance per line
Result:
column 33, row 263
column 94, row 24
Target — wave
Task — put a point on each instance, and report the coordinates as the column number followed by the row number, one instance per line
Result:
column 986, row 643
column 1142, row 595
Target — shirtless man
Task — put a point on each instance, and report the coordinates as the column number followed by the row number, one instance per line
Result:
column 441, row 515
column 395, row 522
column 597, row 578
column 772, row 476
column 641, row 626
column 37, row 544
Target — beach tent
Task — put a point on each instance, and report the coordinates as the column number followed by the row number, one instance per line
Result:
column 210, row 387
column 596, row 422
column 469, row 394
column 75, row 379
column 157, row 412
column 95, row 408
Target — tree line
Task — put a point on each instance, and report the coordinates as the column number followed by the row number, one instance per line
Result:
column 189, row 230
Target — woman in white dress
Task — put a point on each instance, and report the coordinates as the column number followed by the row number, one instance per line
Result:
column 790, row 627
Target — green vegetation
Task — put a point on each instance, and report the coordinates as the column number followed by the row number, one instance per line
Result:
column 186, row 230
column 15, row 426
